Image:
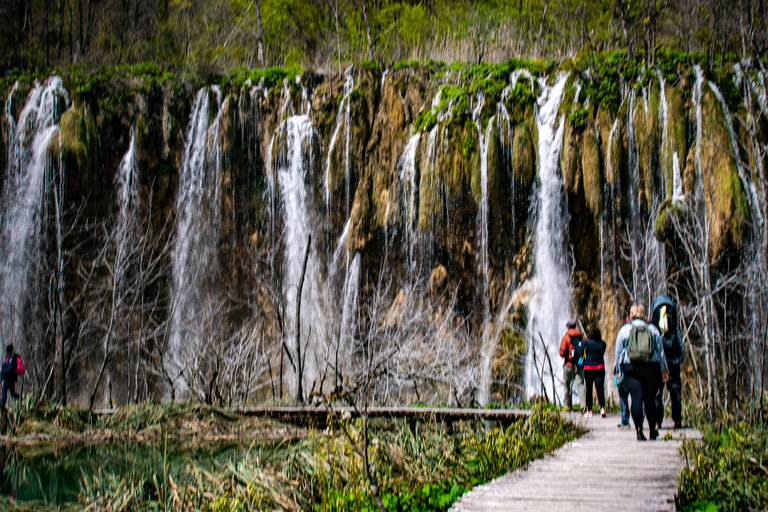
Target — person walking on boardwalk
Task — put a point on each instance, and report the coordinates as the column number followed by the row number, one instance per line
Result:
column 640, row 358
column 664, row 317
column 571, row 350
column 594, row 368
column 11, row 369
column 621, row 388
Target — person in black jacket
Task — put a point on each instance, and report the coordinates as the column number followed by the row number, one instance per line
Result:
column 9, row 376
column 594, row 368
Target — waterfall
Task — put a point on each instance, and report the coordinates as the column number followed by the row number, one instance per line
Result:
column 198, row 219
column 407, row 166
column 489, row 342
column 349, row 310
column 292, row 165
column 127, row 185
column 632, row 158
column 344, row 114
column 551, row 304
column 744, row 174
column 31, row 167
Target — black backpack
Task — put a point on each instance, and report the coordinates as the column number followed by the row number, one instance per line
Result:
column 578, row 347
column 665, row 319
column 8, row 370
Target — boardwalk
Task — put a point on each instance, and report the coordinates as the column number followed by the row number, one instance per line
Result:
column 606, row 469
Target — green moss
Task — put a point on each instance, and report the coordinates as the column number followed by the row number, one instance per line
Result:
column 570, row 160
column 524, row 153
column 592, row 175
column 78, row 136
column 578, row 119
column 676, row 140
column 726, row 199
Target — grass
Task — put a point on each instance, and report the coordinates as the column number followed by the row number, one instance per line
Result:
column 426, row 470
column 727, row 470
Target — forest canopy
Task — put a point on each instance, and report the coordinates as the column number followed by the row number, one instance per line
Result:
column 199, row 38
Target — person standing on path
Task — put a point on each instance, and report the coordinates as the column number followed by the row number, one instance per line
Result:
column 594, row 368
column 11, row 369
column 621, row 388
column 572, row 370
column 640, row 358
column 664, row 317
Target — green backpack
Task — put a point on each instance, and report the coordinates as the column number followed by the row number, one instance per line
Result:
column 640, row 344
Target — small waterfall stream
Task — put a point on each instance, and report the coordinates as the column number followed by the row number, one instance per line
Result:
column 292, row 164
column 407, row 169
column 551, row 304
column 198, row 219
column 127, row 185
column 31, row 167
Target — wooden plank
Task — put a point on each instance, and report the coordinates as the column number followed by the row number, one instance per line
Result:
column 616, row 473
column 318, row 416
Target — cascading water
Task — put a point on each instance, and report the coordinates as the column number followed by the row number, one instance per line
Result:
column 344, row 114
column 632, row 157
column 127, row 184
column 197, row 231
column 489, row 342
column 292, row 164
column 550, row 306
column 31, row 165
column 407, row 166
column 744, row 174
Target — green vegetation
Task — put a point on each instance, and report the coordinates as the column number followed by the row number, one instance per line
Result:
column 418, row 471
column 727, row 469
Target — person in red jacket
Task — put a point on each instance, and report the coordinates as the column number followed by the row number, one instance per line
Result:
column 571, row 369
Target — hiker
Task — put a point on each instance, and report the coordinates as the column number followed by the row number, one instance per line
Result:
column 571, row 350
column 639, row 358
column 664, row 317
column 594, row 368
column 621, row 388
column 11, row 369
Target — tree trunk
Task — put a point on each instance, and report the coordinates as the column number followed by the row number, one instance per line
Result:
column 299, row 360
column 260, row 34
column 368, row 31
column 541, row 26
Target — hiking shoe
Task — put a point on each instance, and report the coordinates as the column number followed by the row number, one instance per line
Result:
column 602, row 412
column 624, row 426
column 654, row 434
column 640, row 435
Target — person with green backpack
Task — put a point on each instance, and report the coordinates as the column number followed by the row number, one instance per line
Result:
column 639, row 359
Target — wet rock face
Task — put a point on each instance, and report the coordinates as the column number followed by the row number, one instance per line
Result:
column 419, row 217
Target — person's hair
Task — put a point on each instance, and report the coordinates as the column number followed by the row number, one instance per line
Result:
column 593, row 333
column 570, row 324
column 9, row 349
column 637, row 311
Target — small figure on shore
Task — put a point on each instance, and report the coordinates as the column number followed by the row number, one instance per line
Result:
column 572, row 350
column 664, row 317
column 11, row 369
column 594, row 368
column 639, row 357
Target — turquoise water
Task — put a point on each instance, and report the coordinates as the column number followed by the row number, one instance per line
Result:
column 54, row 474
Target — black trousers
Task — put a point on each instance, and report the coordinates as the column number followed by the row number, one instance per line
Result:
column 596, row 377
column 674, row 387
column 643, row 381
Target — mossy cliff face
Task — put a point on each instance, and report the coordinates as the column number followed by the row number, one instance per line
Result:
column 362, row 183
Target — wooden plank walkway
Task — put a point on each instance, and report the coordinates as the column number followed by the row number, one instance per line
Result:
column 606, row 469
column 317, row 416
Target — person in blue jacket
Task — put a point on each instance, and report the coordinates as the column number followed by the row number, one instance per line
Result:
column 643, row 370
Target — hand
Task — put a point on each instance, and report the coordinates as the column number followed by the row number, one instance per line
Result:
column 665, row 376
